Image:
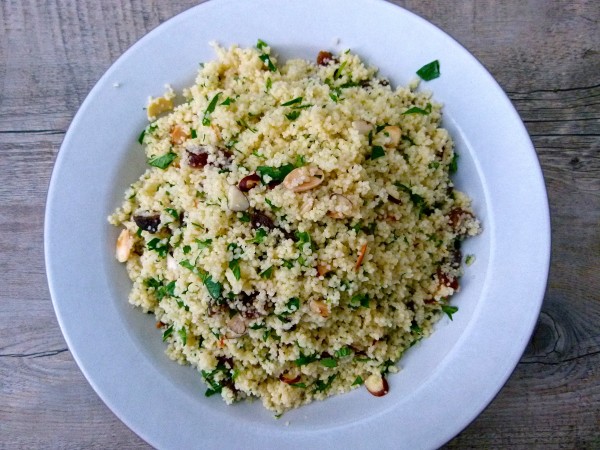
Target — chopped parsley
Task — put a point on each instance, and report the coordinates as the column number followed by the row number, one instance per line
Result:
column 271, row 205
column 274, row 173
column 158, row 246
column 245, row 217
column 300, row 161
column 292, row 102
column 305, row 359
column 234, row 265
column 214, row 287
column 358, row 381
column 183, row 335
column 453, row 167
column 417, row 110
column 359, row 300
column 293, row 115
column 193, row 133
column 470, row 259
column 228, row 101
column 260, row 44
column 416, row 199
column 293, row 305
column 298, row 385
column 172, row 212
column 449, row 310
column 167, row 333
column 265, row 59
column 206, row 243
column 343, row 352
column 338, row 72
column 145, row 131
column 429, row 71
column 186, row 249
column 163, row 161
column 303, row 239
column 268, row 85
column 329, row 362
column 377, row 152
column 322, row 386
column 209, row 109
column 267, row 273
column 259, row 236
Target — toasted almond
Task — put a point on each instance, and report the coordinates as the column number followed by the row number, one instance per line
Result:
column 303, row 178
column 342, row 207
column 319, row 307
column 362, row 126
column 249, row 182
column 361, row 256
column 288, row 378
column 237, row 325
column 178, row 135
column 158, row 106
column 377, row 385
column 323, row 269
column 392, row 134
column 159, row 324
column 124, row 245
column 236, row 200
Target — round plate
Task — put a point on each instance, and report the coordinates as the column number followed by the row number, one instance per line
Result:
column 445, row 381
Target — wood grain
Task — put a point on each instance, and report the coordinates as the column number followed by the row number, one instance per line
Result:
column 546, row 55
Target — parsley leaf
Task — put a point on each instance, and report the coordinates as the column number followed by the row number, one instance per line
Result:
column 305, row 359
column 359, row 300
column 163, row 161
column 268, row 85
column 329, row 362
column 293, row 115
column 214, row 287
column 260, row 44
column 158, row 246
column 260, row 236
column 245, row 217
column 271, row 205
column 234, row 265
column 343, row 352
column 449, row 310
column 265, row 58
column 292, row 102
column 274, row 173
column 228, row 101
column 172, row 212
column 322, row 386
column 430, row 71
column 183, row 335
column 453, row 167
column 417, row 110
column 358, row 381
column 209, row 109
column 267, row 273
column 377, row 152
column 167, row 333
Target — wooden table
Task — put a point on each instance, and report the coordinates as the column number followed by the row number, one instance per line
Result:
column 544, row 53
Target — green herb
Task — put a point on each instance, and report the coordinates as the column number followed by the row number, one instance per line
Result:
column 416, row 199
column 359, row 300
column 470, row 259
column 303, row 238
column 322, row 386
column 434, row 165
column 307, row 105
column 183, row 335
column 293, row 115
column 329, row 362
column 139, row 232
column 293, row 304
column 245, row 217
column 377, row 152
column 228, row 101
column 449, row 310
column 300, row 161
column 267, row 334
column 186, row 249
column 338, row 72
column 305, row 359
column 149, row 129
column 158, row 246
column 162, row 162
column 167, row 333
column 172, row 212
column 258, row 155
column 415, row 328
column 259, row 236
column 358, row 381
column 288, row 263
column 209, row 377
column 193, row 133
column 417, row 110
column 407, row 138
column 210, row 108
column 260, row 44
column 232, row 246
column 268, row 85
column 298, row 385
column 244, row 124
column 214, row 287
column 265, row 59
column 167, row 290
column 153, row 283
column 430, row 71
column 343, row 352
column 231, row 143
column 267, row 273
column 257, row 326
column 385, row 367
column 206, row 243
column 292, row 102
column 234, row 265
column 271, row 205
column 274, row 173
column 453, row 167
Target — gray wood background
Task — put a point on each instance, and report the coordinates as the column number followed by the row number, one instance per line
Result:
column 544, row 53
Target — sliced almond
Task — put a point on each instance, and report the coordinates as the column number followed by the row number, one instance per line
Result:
column 362, row 126
column 289, row 378
column 361, row 256
column 342, row 207
column 323, row 269
column 303, row 178
column 392, row 134
column 237, row 325
column 377, row 385
column 319, row 307
column 158, row 106
column 124, row 245
column 178, row 135
column 307, row 206
column 236, row 200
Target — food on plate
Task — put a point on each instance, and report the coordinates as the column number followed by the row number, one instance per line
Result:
column 297, row 229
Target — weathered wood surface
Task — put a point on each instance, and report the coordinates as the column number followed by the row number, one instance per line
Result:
column 545, row 54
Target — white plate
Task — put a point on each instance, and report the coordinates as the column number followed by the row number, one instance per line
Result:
column 446, row 380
